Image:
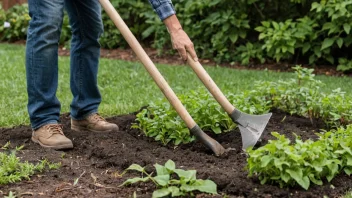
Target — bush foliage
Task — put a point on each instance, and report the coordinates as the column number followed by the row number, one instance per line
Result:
column 314, row 32
column 302, row 162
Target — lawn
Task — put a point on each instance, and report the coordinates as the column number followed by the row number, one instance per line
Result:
column 125, row 86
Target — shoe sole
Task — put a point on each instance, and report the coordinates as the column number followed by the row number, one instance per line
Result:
column 64, row 146
column 84, row 129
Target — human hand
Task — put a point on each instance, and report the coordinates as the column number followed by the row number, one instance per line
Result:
column 183, row 44
column 180, row 40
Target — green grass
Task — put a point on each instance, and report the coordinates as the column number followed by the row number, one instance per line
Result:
column 125, row 86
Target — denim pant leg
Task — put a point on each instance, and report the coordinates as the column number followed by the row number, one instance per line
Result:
column 42, row 61
column 87, row 26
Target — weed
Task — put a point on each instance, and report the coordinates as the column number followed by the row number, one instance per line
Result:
column 11, row 195
column 12, row 170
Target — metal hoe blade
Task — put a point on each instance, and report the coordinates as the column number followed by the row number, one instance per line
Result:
column 251, row 126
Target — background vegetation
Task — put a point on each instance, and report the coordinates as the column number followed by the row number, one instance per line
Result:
column 126, row 86
column 294, row 31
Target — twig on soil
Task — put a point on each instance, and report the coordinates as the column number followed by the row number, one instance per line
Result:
column 61, row 187
column 105, row 172
column 96, row 184
column 76, row 180
column 26, row 193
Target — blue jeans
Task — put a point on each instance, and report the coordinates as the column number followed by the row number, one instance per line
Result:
column 42, row 58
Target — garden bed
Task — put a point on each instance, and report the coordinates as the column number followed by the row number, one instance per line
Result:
column 100, row 159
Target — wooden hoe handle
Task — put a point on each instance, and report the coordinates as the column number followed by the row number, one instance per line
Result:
column 210, row 84
column 160, row 81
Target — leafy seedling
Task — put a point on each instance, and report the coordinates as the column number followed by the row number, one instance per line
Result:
column 171, row 181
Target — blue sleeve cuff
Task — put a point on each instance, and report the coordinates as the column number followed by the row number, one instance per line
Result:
column 164, row 8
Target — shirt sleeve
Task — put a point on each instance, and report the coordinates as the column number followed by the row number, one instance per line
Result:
column 164, row 8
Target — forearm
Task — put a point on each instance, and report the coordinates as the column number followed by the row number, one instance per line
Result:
column 172, row 23
column 179, row 38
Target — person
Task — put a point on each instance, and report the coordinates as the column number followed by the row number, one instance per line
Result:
column 42, row 65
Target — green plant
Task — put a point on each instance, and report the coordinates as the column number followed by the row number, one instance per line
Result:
column 11, row 195
column 162, row 122
column 308, row 31
column 344, row 65
column 12, row 170
column 283, row 39
column 250, row 52
column 301, row 96
column 280, row 41
column 171, row 181
column 18, row 18
column 302, row 162
column 65, row 35
column 2, row 19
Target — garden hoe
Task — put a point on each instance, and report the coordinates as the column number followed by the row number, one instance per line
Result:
column 160, row 81
column 251, row 126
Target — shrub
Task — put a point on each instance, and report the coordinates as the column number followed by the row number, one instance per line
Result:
column 302, row 162
column 18, row 18
column 310, row 31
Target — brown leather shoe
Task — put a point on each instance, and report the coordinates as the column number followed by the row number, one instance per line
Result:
column 51, row 136
column 94, row 123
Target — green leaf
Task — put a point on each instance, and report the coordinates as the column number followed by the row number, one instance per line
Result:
column 312, row 59
column 261, row 36
column 315, row 5
column 284, row 176
column 170, row 165
column 328, row 42
column 266, row 23
column 135, row 180
column 136, row 167
column 217, row 130
column 276, row 25
column 266, row 160
column 347, row 28
column 186, row 175
column 233, row 38
column 314, row 180
column 348, row 170
column 161, row 193
column 334, row 168
column 296, row 174
column 161, row 170
column 162, row 180
column 349, row 160
column 206, row 186
column 339, row 42
column 305, row 47
column 330, row 59
column 260, row 29
column 305, row 182
column 175, row 191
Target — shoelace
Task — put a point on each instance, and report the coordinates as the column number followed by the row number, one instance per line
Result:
column 55, row 129
column 96, row 117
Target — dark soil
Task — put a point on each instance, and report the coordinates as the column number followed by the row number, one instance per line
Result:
column 105, row 156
